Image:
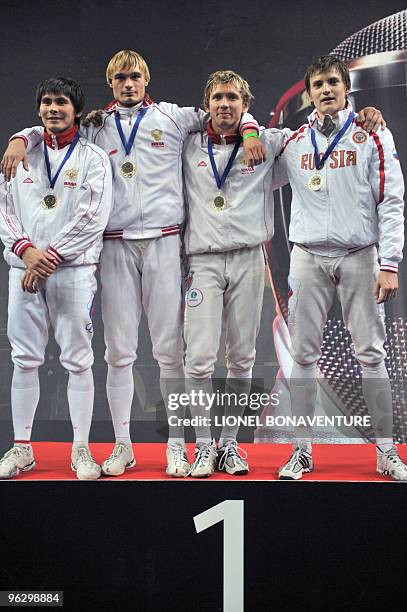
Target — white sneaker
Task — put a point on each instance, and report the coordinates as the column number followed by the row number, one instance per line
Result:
column 230, row 459
column 177, row 460
column 298, row 464
column 204, row 462
column 17, row 459
column 84, row 464
column 121, row 459
column 390, row 464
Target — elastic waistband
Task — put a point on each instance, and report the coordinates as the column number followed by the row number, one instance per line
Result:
column 113, row 235
column 169, row 230
column 333, row 252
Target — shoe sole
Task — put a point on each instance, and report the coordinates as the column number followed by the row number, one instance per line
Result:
column 73, row 468
column 387, row 473
column 126, row 467
column 88, row 478
column 176, row 475
column 28, row 467
column 308, row 471
column 237, row 473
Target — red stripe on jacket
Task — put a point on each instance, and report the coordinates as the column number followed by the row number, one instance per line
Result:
column 381, row 165
column 294, row 136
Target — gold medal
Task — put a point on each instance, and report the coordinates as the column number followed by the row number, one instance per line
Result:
column 49, row 201
column 315, row 182
column 219, row 202
column 128, row 169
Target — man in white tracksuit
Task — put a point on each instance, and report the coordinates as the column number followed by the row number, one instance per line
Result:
column 347, row 198
column 229, row 216
column 51, row 223
column 140, row 260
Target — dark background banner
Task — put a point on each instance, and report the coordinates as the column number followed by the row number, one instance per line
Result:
column 270, row 43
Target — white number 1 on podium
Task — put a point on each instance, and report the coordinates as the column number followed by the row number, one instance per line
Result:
column 231, row 512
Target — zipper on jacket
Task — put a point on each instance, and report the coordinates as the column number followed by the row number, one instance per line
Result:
column 137, row 185
column 328, row 199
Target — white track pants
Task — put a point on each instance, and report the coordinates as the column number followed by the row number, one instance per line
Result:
column 65, row 301
column 229, row 285
column 139, row 274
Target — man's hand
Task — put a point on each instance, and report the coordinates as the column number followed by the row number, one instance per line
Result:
column 29, row 282
column 40, row 263
column 371, row 119
column 253, row 149
column 385, row 287
column 93, row 118
column 13, row 155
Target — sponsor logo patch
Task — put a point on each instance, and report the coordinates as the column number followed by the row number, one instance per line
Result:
column 71, row 174
column 70, row 184
column 202, row 164
column 194, row 298
column 156, row 135
column 245, row 169
column 359, row 137
column 112, row 152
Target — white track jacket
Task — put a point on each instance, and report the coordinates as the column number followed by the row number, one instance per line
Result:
column 361, row 199
column 248, row 219
column 72, row 231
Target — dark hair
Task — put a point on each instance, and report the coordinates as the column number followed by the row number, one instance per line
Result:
column 323, row 64
column 67, row 87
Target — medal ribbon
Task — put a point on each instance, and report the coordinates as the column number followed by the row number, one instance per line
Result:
column 52, row 181
column 319, row 163
column 220, row 180
column 128, row 145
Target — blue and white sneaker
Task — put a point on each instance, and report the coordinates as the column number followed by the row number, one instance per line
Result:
column 204, row 462
column 298, row 464
column 232, row 459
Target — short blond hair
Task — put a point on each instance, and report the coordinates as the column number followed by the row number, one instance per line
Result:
column 126, row 59
column 227, row 77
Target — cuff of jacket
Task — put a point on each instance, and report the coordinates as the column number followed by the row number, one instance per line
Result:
column 386, row 265
column 15, row 136
column 57, row 257
column 20, row 246
column 249, row 126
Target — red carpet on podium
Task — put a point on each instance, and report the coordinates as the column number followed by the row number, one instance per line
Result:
column 333, row 462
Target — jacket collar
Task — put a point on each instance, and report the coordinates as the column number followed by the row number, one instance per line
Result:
column 61, row 140
column 315, row 122
column 218, row 138
column 114, row 105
